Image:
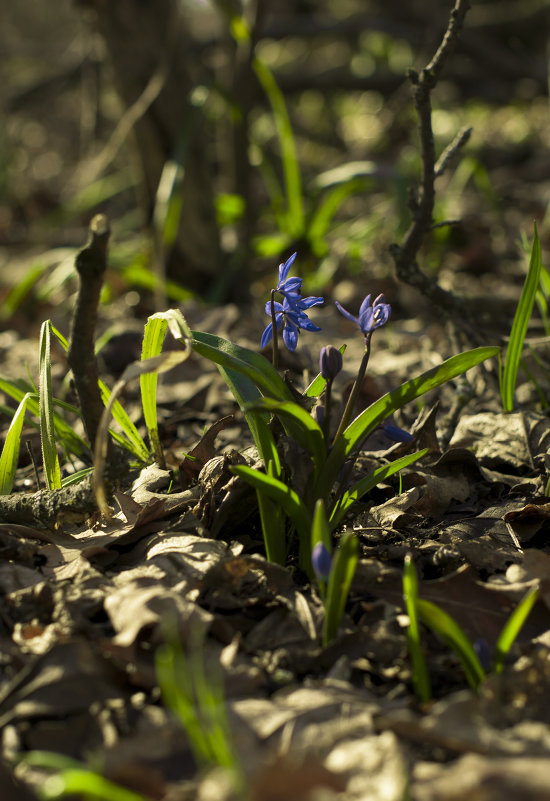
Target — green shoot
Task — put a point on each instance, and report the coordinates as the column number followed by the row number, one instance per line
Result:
column 47, row 430
column 420, row 675
column 343, row 569
column 197, row 700
column 512, row 628
column 508, row 375
column 72, row 778
column 10, row 451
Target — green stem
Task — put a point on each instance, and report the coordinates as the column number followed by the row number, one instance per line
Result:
column 352, row 400
column 274, row 332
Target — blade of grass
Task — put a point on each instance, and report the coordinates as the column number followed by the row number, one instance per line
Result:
column 47, row 429
column 519, row 326
column 343, row 568
column 295, row 222
column 420, row 673
column 449, row 630
column 512, row 628
column 10, row 451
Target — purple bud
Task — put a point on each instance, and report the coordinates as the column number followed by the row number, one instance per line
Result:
column 396, row 433
column 321, row 561
column 330, row 362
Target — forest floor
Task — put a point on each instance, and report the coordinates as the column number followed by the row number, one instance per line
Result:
column 85, row 603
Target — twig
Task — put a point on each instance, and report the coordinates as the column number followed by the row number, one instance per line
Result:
column 91, row 264
column 422, row 202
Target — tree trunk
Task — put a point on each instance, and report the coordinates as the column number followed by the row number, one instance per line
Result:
column 148, row 47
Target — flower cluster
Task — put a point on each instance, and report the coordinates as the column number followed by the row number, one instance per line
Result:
column 290, row 315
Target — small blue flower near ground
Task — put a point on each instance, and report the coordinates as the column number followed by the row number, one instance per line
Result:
column 370, row 316
column 290, row 315
column 321, row 561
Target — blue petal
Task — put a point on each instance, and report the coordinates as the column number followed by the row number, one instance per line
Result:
column 346, row 313
column 276, row 304
column 307, row 303
column 266, row 336
column 364, row 306
column 284, row 269
column 290, row 335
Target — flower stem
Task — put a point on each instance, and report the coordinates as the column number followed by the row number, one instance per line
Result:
column 327, row 406
column 274, row 332
column 352, row 400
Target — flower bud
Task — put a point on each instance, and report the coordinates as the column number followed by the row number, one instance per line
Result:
column 397, row 434
column 330, row 362
column 321, row 561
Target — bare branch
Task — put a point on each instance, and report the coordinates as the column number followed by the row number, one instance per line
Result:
column 421, row 202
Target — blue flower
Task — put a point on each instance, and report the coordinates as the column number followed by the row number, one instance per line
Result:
column 290, row 314
column 321, row 561
column 370, row 316
column 286, row 285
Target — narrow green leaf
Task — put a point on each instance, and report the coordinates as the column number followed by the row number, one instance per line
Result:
column 273, row 524
column 363, row 486
column 10, row 451
column 283, row 495
column 512, row 628
column 295, row 222
column 251, row 364
column 134, row 440
column 65, row 434
column 377, row 412
column 153, row 337
column 420, row 673
column 320, row 531
column 47, row 429
column 304, row 429
column 519, row 326
column 343, row 569
column 245, row 392
column 449, row 630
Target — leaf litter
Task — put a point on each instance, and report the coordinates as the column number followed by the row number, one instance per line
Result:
column 84, row 608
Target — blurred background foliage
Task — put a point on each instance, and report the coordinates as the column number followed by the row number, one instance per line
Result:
column 221, row 136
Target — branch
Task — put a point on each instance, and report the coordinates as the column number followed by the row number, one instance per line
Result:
column 91, row 264
column 422, row 202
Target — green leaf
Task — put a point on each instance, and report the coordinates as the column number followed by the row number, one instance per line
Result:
column 251, row 364
column 71, row 441
column 420, row 673
column 283, row 495
column 449, row 630
column 512, row 628
column 273, row 524
column 363, row 486
column 246, row 393
column 303, row 427
column 153, row 338
column 295, row 218
column 377, row 412
column 10, row 451
column 134, row 441
column 343, row 569
column 519, row 326
column 47, row 430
